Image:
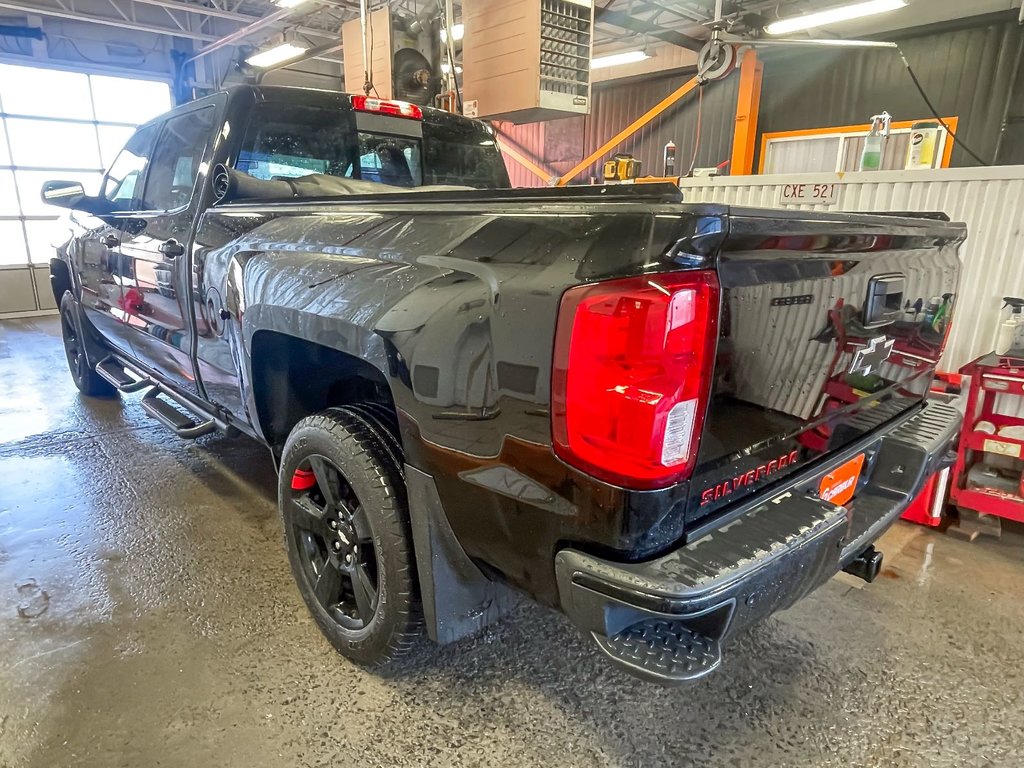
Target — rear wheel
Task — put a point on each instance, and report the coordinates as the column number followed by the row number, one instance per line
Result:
column 82, row 373
column 342, row 499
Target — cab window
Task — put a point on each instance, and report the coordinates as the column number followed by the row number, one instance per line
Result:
column 122, row 180
column 176, row 159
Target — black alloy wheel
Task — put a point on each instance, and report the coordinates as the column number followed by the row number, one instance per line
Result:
column 343, row 503
column 82, row 373
column 336, row 543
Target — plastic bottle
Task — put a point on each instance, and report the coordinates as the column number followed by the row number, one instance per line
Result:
column 1006, row 336
column 924, row 139
column 670, row 159
column 871, row 157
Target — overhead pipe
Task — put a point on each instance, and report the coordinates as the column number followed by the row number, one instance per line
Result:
column 313, row 53
column 92, row 19
column 244, row 32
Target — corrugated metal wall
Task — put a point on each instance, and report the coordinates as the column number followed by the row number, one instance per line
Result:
column 527, row 139
column 990, row 200
column 617, row 106
column 560, row 144
column 966, row 72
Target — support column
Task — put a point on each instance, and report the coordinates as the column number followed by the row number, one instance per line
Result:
column 748, row 104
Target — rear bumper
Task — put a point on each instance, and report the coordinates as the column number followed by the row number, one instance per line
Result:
column 668, row 619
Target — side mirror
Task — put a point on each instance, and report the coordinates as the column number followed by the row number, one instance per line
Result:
column 65, row 194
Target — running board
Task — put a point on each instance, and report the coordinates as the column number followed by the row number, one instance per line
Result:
column 114, row 373
column 175, row 420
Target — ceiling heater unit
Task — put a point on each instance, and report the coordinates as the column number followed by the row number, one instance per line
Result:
column 405, row 56
column 527, row 61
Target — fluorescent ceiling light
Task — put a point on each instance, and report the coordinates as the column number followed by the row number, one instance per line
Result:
column 615, row 59
column 833, row 16
column 282, row 53
column 458, row 31
column 289, row 3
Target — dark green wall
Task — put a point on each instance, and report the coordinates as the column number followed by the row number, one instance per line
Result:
column 966, row 72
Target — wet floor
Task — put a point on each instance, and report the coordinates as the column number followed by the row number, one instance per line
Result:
column 148, row 617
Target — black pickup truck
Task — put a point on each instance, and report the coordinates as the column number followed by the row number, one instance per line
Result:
column 666, row 420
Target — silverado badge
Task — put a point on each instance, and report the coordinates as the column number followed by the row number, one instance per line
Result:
column 870, row 357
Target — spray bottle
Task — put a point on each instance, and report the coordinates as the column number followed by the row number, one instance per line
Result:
column 871, row 157
column 669, row 159
column 1006, row 337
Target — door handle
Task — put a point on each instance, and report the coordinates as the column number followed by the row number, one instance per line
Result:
column 171, row 248
column 110, row 241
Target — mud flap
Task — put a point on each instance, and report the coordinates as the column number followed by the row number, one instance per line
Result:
column 458, row 599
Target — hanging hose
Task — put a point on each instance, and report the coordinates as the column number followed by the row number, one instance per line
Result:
column 935, row 112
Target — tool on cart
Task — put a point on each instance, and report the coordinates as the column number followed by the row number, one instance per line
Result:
column 989, row 471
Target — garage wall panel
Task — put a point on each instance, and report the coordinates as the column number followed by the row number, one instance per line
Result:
column 966, row 72
column 16, row 291
column 989, row 200
column 560, row 144
column 617, row 106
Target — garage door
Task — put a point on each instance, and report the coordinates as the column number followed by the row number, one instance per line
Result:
column 56, row 124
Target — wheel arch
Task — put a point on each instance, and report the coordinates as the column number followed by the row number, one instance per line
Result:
column 293, row 378
column 60, row 279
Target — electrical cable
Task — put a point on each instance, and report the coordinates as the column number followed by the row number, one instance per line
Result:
column 449, row 48
column 369, row 55
column 935, row 112
column 455, row 80
column 696, row 139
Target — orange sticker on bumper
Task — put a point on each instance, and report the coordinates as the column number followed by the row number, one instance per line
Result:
column 839, row 485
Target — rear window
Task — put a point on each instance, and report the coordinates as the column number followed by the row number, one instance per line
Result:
column 288, row 141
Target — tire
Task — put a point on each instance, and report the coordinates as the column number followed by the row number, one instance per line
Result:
column 343, row 503
column 82, row 373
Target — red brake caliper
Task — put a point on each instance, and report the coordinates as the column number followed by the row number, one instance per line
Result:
column 303, row 480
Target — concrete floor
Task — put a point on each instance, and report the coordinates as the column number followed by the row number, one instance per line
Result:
column 148, row 617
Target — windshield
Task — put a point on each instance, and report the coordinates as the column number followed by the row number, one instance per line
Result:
column 289, row 141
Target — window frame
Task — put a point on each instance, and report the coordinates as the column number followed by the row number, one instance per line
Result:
column 28, row 215
column 843, row 133
column 145, row 169
column 216, row 102
column 243, row 143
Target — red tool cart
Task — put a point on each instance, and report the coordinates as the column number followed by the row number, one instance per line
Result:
column 987, row 476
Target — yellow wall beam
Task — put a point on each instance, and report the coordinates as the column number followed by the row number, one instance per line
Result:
column 541, row 173
column 629, row 130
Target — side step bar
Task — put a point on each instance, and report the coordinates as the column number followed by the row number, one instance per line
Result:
column 175, row 420
column 111, row 370
column 116, row 371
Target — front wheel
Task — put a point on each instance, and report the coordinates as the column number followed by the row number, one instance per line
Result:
column 82, row 373
column 346, row 524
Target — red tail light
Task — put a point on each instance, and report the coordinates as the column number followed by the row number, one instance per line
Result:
column 632, row 376
column 387, row 107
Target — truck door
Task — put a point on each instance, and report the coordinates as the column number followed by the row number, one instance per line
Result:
column 155, row 242
column 99, row 263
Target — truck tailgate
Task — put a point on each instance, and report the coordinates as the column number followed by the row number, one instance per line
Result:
column 831, row 325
